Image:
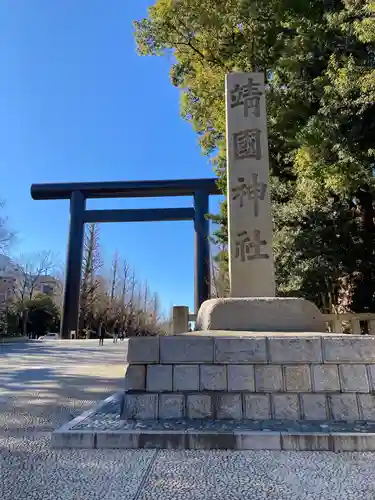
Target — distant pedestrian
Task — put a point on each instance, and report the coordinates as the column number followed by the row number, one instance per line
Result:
column 115, row 333
column 101, row 333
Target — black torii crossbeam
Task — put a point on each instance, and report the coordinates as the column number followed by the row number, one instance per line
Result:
column 79, row 192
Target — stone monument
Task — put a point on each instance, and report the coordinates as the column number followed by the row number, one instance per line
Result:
column 251, row 267
column 258, row 362
column 260, row 373
column 252, row 306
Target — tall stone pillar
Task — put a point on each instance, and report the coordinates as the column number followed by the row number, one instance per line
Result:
column 251, row 265
column 252, row 305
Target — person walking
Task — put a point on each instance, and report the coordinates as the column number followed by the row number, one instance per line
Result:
column 101, row 333
column 115, row 333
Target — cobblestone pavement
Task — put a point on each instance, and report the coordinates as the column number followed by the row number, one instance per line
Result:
column 43, row 385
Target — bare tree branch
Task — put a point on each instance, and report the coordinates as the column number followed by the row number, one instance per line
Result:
column 29, row 271
column 6, row 236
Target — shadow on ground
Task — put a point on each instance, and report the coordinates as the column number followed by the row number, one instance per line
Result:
column 52, row 400
column 70, row 354
column 44, row 386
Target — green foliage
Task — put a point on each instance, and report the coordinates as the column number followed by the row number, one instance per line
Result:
column 318, row 58
column 8, row 322
column 43, row 315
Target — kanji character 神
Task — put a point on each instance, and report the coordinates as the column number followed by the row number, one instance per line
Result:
column 255, row 191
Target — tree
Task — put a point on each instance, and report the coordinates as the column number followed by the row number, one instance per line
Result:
column 9, row 324
column 90, row 282
column 58, row 274
column 43, row 315
column 131, row 303
column 155, row 314
column 6, row 236
column 115, row 297
column 314, row 244
column 319, row 66
column 29, row 274
column 219, row 273
column 126, row 285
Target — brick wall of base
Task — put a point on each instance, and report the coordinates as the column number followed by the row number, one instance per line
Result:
column 251, row 376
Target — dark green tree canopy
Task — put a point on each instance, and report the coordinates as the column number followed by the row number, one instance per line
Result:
column 43, row 315
column 318, row 58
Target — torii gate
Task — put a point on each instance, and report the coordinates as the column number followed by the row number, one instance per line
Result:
column 79, row 192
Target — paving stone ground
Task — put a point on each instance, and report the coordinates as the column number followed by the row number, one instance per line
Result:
column 45, row 384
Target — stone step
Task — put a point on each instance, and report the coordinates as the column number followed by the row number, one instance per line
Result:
column 220, row 405
column 230, row 435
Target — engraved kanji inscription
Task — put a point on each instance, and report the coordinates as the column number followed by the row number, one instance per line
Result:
column 247, row 144
column 248, row 96
column 255, row 191
column 249, row 248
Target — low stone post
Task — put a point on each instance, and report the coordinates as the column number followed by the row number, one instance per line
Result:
column 180, row 323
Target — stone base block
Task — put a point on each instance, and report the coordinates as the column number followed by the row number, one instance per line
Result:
column 256, row 347
column 223, row 375
column 262, row 314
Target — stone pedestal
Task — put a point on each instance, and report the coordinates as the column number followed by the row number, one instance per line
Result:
column 251, row 376
column 264, row 314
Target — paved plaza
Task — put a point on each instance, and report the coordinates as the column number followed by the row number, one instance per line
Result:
column 45, row 384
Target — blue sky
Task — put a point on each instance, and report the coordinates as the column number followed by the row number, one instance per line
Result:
column 78, row 104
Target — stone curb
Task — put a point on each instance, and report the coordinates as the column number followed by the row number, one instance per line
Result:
column 206, row 440
column 195, row 439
